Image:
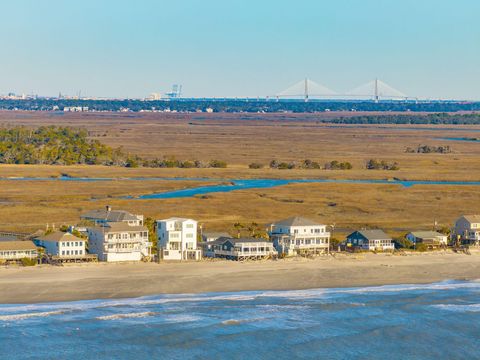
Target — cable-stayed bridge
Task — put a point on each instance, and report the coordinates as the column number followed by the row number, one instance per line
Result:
column 373, row 90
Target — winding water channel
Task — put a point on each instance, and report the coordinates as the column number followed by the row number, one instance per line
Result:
column 228, row 185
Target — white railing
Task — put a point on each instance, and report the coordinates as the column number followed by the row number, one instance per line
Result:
column 18, row 256
column 244, row 253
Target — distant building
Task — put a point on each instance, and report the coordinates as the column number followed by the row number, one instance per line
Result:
column 107, row 215
column 299, row 236
column 119, row 241
column 17, row 250
column 177, row 239
column 429, row 238
column 75, row 109
column 467, row 229
column 371, row 240
column 62, row 244
column 241, row 249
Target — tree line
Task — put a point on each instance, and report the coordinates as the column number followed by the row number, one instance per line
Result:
column 268, row 106
column 52, row 145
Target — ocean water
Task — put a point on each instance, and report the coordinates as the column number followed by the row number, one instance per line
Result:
column 435, row 321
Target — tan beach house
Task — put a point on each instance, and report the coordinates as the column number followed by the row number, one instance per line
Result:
column 119, row 241
column 467, row 229
column 299, row 236
column 369, row 240
column 15, row 250
column 429, row 238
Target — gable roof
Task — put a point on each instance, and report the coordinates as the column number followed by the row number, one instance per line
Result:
column 17, row 245
column 179, row 219
column 213, row 234
column 109, row 215
column 426, row 234
column 472, row 218
column 244, row 240
column 120, row 227
column 59, row 236
column 295, row 221
column 375, row 234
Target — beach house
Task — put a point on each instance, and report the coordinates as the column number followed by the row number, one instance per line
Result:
column 299, row 236
column 429, row 238
column 63, row 245
column 243, row 249
column 209, row 239
column 107, row 215
column 467, row 229
column 177, row 239
column 370, row 240
column 119, row 241
column 15, row 250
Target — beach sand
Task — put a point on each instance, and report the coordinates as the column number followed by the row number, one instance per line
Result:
column 95, row 281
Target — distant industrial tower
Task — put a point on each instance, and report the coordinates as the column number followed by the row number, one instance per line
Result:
column 175, row 93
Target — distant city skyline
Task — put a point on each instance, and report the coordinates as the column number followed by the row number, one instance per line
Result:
column 125, row 49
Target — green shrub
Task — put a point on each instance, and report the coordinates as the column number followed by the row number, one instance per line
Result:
column 403, row 243
column 421, row 247
column 218, row 164
column 28, row 262
column 255, row 166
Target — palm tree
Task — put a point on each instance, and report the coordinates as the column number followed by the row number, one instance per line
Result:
column 238, row 226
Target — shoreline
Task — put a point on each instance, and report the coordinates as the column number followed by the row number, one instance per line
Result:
column 130, row 280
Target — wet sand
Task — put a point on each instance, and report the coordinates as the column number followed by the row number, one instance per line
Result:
column 102, row 280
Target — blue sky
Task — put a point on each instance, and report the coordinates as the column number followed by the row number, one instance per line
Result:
column 120, row 48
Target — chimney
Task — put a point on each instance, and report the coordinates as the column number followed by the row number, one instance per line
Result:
column 109, row 208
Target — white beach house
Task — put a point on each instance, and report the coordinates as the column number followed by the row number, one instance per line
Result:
column 118, row 241
column 177, row 239
column 62, row 244
column 467, row 229
column 299, row 236
column 242, row 249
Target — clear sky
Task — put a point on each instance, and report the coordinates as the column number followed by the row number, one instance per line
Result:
column 130, row 48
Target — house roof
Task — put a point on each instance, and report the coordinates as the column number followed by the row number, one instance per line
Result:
column 376, row 234
column 109, row 215
column 213, row 234
column 120, row 227
column 472, row 218
column 8, row 237
column 426, row 234
column 244, row 240
column 179, row 219
column 17, row 245
column 59, row 236
column 295, row 221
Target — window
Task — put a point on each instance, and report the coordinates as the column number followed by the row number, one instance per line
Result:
column 63, row 252
column 189, row 226
column 189, row 236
